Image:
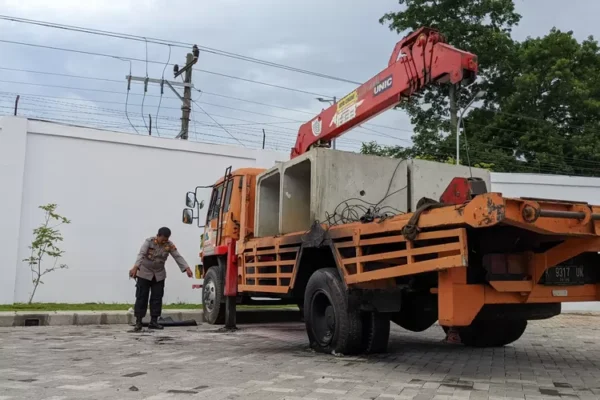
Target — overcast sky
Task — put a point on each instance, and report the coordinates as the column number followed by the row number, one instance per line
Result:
column 334, row 37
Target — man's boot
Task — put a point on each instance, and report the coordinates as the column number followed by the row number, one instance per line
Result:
column 154, row 324
column 138, row 325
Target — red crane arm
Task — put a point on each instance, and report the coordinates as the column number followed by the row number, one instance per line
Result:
column 420, row 59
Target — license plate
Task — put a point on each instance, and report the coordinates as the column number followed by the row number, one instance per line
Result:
column 565, row 275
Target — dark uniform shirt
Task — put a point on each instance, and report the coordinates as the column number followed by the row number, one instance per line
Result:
column 152, row 257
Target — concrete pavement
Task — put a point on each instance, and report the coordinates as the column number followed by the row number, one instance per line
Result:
column 557, row 358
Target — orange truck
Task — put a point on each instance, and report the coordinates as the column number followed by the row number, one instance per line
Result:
column 306, row 232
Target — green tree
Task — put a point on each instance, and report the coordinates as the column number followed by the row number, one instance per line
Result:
column 480, row 26
column 541, row 110
column 548, row 119
column 45, row 245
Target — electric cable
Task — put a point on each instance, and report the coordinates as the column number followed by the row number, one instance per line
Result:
column 145, row 89
column 127, row 102
column 160, row 62
column 174, row 43
column 161, row 90
column 216, row 122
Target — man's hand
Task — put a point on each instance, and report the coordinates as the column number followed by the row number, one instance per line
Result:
column 189, row 272
column 133, row 272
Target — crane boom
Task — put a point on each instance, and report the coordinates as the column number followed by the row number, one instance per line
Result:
column 420, row 59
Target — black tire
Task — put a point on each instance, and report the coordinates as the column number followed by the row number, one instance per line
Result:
column 376, row 332
column 491, row 333
column 212, row 296
column 331, row 326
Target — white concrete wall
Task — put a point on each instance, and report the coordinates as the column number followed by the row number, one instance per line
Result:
column 551, row 187
column 117, row 189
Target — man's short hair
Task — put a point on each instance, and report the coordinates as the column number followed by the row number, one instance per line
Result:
column 164, row 232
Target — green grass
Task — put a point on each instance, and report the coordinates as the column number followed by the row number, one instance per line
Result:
column 106, row 307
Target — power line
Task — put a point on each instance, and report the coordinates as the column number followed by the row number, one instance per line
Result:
column 312, row 113
column 118, row 103
column 59, row 74
column 216, row 122
column 161, row 90
column 176, row 44
column 144, row 95
column 59, row 107
column 186, row 45
column 127, row 103
column 125, row 58
column 218, row 95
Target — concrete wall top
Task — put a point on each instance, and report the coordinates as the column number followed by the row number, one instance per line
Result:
column 55, row 129
column 559, row 187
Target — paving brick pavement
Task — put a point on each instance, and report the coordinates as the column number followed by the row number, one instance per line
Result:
column 556, row 359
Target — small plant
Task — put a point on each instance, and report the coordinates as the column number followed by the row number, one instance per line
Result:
column 45, row 245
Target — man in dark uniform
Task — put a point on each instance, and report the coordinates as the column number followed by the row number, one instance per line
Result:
column 149, row 269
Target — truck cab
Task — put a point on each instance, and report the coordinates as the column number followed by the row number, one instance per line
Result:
column 229, row 218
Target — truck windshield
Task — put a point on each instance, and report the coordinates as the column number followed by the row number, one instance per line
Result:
column 215, row 201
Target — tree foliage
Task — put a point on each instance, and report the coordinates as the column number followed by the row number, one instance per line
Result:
column 45, row 245
column 541, row 109
column 480, row 26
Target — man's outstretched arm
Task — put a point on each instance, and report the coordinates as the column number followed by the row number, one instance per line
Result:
column 183, row 265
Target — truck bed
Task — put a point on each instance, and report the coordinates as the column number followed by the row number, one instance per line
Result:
column 490, row 250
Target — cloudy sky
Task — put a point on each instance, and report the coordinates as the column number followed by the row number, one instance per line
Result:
column 334, row 37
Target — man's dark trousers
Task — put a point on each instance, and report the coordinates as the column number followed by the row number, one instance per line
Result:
column 152, row 289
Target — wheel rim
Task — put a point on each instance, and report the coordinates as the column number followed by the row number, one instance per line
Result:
column 209, row 295
column 323, row 318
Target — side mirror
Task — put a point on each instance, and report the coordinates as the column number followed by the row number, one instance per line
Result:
column 187, row 217
column 190, row 199
column 201, row 205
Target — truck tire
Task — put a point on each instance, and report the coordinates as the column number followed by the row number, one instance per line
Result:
column 376, row 332
column 212, row 296
column 491, row 333
column 331, row 326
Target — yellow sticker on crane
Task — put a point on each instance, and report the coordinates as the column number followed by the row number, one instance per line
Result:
column 347, row 100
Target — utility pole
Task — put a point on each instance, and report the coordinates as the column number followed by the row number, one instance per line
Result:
column 186, row 99
column 264, row 138
column 186, row 107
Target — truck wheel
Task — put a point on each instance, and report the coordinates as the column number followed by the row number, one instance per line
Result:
column 330, row 325
column 376, row 332
column 491, row 333
column 212, row 297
